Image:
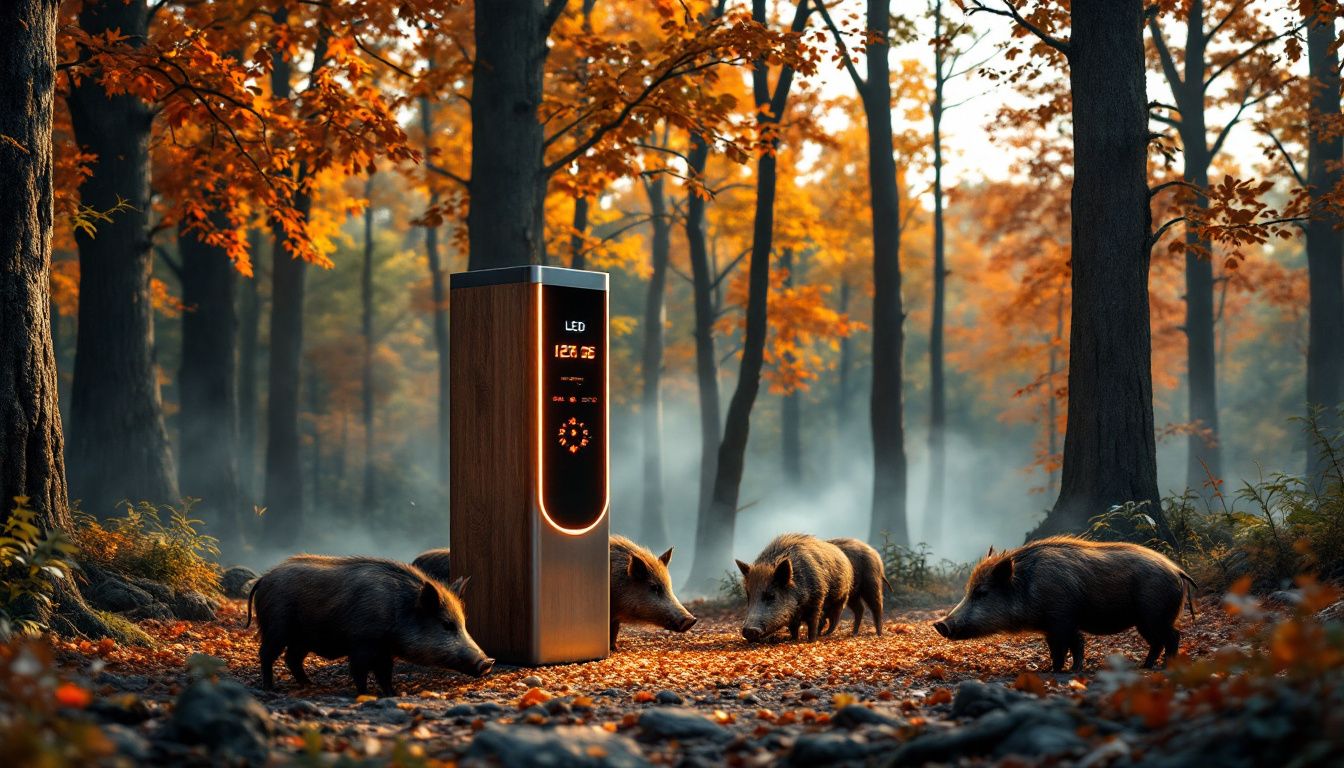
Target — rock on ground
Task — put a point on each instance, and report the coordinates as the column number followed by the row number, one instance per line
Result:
column 566, row 746
column 223, row 717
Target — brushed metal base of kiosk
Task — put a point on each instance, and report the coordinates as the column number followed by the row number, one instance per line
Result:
column 529, row 464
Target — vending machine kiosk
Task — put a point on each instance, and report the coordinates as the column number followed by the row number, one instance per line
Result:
column 529, row 463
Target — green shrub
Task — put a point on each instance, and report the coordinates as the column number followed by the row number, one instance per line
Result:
column 918, row 582
column 141, row 543
column 731, row 588
column 32, row 563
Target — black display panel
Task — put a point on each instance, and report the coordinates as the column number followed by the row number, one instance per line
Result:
column 572, row 432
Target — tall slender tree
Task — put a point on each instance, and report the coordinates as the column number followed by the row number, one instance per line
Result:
column 653, row 529
column 366, row 305
column 702, row 288
column 438, row 292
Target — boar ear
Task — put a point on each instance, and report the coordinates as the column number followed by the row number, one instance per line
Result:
column 783, row 572
column 990, row 553
column 429, row 596
column 637, row 568
column 743, row 567
column 1003, row 572
column 666, row 557
column 459, row 585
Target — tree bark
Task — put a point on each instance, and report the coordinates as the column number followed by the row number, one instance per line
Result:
column 576, row 257
column 31, row 459
column 118, row 444
column 366, row 330
column 706, row 360
column 1109, row 446
column 249, row 327
column 933, row 510
column 1325, row 152
column 653, row 528
column 714, row 532
column 207, row 386
column 439, row 294
column 888, row 426
column 508, row 180
column 844, row 372
column 790, row 409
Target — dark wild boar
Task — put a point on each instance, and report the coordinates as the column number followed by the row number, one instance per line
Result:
column 868, row 582
column 434, row 562
column 641, row 590
column 797, row 579
column 1065, row 586
column 369, row 609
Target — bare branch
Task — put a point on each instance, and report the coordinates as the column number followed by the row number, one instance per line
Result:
column 1164, row 54
column 1301, row 182
column 1012, row 13
column 843, row 50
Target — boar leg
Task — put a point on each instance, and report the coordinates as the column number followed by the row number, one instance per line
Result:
column 359, row 670
column 858, row 617
column 874, row 601
column 833, row 613
column 1058, row 642
column 270, row 651
column 294, row 660
column 615, row 630
column 1076, row 648
column 1166, row 638
column 793, row 627
column 382, row 672
column 814, row 625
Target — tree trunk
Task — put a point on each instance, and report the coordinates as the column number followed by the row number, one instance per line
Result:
column 118, row 444
column 714, row 532
column 706, row 360
column 31, row 461
column 1109, row 447
column 439, row 294
column 576, row 259
column 249, row 327
column 207, row 386
column 843, row 372
column 653, row 529
column 933, row 509
column 284, row 468
column 366, row 330
column 790, row 409
column 508, row 183
column 1325, row 151
column 889, row 466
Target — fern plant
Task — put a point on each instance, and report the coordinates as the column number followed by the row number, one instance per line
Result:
column 32, row 563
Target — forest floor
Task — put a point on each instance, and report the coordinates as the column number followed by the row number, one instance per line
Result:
column 700, row 698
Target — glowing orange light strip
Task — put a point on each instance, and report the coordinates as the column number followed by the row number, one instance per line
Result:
column 606, row 421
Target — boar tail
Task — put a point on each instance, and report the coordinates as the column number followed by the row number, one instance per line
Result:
column 250, row 593
column 890, row 588
column 1189, row 592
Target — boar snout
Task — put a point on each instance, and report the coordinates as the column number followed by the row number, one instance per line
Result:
column 752, row 634
column 684, row 624
column 483, row 666
column 943, row 629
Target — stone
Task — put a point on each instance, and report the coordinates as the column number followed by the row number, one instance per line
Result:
column 668, row 697
column 565, row 746
column 460, row 710
column 224, row 718
column 855, row 715
column 116, row 595
column 489, row 709
column 303, row 708
column 826, row 748
column 128, row 742
column 974, row 698
column 1040, row 740
column 126, row 709
column 192, row 606
column 681, row 724
column 531, row 681
column 236, row 582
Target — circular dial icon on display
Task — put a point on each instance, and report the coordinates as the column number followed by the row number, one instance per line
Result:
column 573, row 435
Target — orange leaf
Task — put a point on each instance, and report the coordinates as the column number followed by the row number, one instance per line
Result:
column 71, row 695
column 533, row 697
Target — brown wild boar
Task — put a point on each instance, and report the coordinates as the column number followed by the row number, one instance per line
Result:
column 435, row 562
column 868, row 582
column 369, row 609
column 1065, row 586
column 797, row 579
column 641, row 590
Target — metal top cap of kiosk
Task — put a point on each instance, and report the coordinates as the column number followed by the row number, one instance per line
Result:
column 530, row 273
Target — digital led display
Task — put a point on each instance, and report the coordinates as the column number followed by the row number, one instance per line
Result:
column 572, row 428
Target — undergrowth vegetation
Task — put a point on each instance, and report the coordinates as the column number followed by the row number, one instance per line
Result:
column 917, row 580
column 163, row 544
column 32, row 563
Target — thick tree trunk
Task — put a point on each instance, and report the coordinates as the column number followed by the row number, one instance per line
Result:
column 207, row 386
column 790, row 409
column 31, row 460
column 249, row 327
column 888, row 425
column 366, row 330
column 714, row 532
column 508, row 183
column 1109, row 447
column 653, row 528
column 439, row 294
column 576, row 257
column 706, row 360
column 284, row 468
column 933, row 508
column 118, row 444
column 1325, row 365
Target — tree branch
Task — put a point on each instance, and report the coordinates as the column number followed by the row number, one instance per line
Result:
column 1301, row 182
column 1012, row 13
column 1162, row 230
column 553, row 11
column 842, row 49
column 1164, row 55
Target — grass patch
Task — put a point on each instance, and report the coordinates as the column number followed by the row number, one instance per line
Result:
column 162, row 544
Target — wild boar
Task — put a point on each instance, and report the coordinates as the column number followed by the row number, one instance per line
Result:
column 368, row 609
column 641, row 590
column 1065, row 586
column 434, row 562
column 868, row 582
column 797, row 579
